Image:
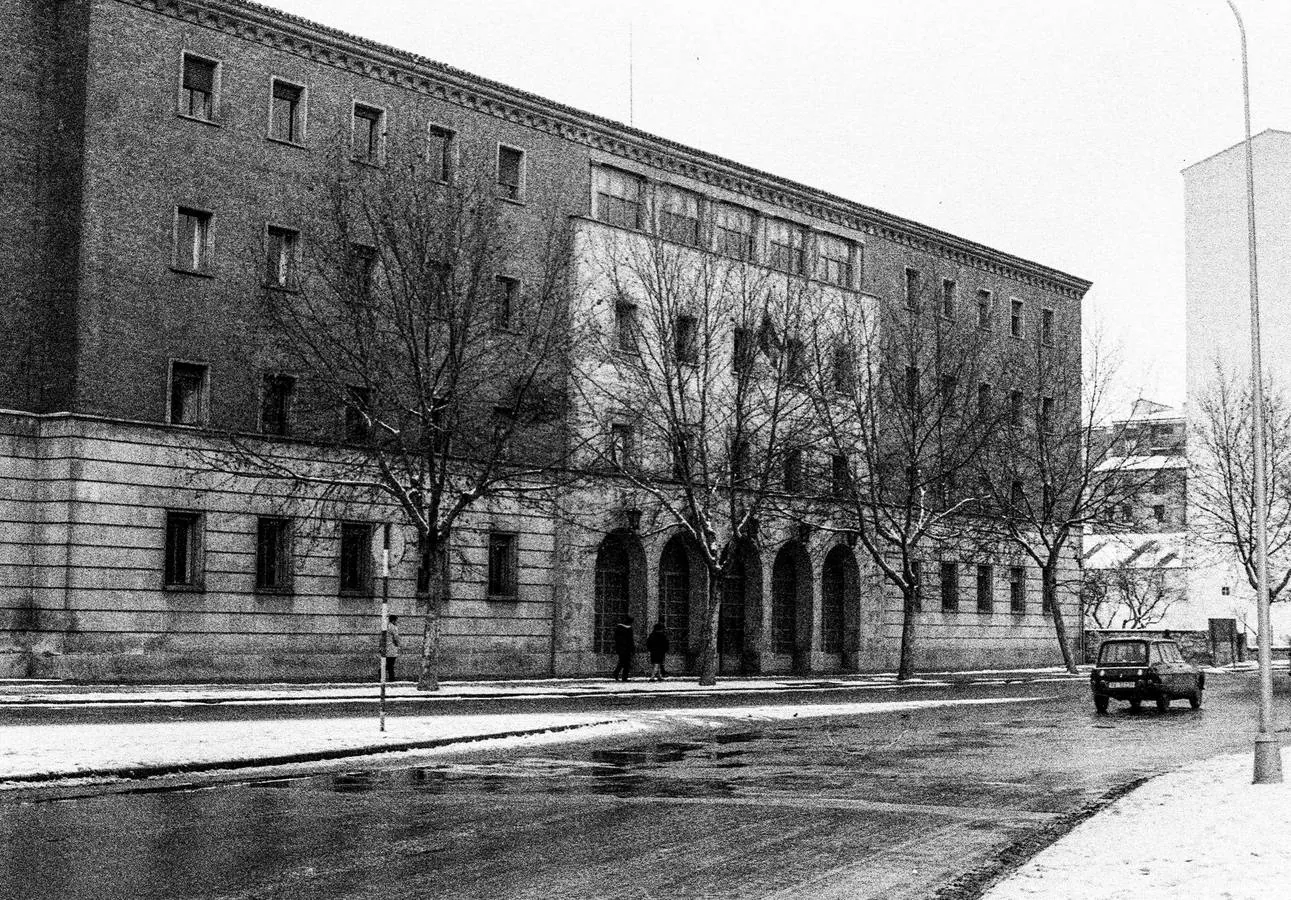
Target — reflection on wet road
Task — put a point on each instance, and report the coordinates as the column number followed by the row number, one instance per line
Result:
column 892, row 805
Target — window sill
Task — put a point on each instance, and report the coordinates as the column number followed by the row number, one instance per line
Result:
column 514, row 201
column 285, row 143
column 184, row 588
column 269, row 593
column 367, row 163
column 195, row 273
column 212, row 122
column 503, row 598
column 189, row 425
column 356, row 595
column 282, row 288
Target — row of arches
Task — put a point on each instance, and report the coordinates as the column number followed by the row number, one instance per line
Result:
column 788, row 627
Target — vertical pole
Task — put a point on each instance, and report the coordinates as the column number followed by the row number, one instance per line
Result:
column 385, row 619
column 1268, row 755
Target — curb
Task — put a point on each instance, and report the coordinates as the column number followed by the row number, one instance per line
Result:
column 159, row 771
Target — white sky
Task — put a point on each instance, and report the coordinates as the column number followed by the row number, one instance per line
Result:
column 1053, row 130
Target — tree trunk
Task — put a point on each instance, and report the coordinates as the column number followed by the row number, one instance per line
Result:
column 708, row 657
column 906, row 666
column 1049, row 577
column 437, row 553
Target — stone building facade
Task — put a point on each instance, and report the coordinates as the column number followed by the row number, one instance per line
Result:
column 153, row 148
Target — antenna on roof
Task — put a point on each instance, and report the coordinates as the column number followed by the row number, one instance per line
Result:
column 631, row 77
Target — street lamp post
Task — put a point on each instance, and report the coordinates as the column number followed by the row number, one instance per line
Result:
column 1268, row 755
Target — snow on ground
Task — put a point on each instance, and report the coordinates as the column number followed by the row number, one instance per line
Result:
column 1203, row 832
column 69, row 749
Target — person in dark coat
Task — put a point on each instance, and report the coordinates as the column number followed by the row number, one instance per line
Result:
column 390, row 646
column 624, row 646
column 657, row 644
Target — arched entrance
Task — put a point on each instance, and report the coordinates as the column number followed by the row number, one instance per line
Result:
column 618, row 586
column 791, row 605
column 674, row 594
column 839, row 605
column 740, row 614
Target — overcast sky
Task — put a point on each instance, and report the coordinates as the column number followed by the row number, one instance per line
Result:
column 1053, row 130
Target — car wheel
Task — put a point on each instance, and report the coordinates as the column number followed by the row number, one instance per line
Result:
column 1100, row 703
column 1136, row 704
column 1163, row 703
column 1195, row 699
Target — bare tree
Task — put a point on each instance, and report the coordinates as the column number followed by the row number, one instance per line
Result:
column 1057, row 467
column 1138, row 589
column 1222, row 487
column 692, row 380
column 898, row 403
column 425, row 327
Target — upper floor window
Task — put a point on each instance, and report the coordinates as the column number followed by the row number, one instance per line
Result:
column 361, row 265
column 367, row 133
column 735, row 230
column 506, row 299
column 786, row 246
column 188, row 392
column 840, row 475
column 275, row 403
column 912, row 286
column 510, row 172
column 622, row 445
column 287, row 112
column 679, row 215
column 844, row 368
column 985, row 306
column 358, row 413
column 626, row 326
column 439, row 153
column 743, row 350
column 281, row 245
column 355, row 563
column 198, row 87
column 834, row 260
column 192, row 239
column 1046, row 327
column 791, row 474
column 1015, row 318
column 687, row 339
column 949, row 299
column 618, row 197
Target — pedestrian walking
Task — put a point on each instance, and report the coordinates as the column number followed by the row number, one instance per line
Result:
column 390, row 646
column 624, row 646
column 657, row 645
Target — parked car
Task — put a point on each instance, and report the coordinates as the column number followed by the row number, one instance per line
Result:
column 1138, row 669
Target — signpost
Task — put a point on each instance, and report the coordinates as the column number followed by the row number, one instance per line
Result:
column 385, row 618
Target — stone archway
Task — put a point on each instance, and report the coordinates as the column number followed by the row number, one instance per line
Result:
column 618, row 586
column 741, row 613
column 791, row 608
column 840, row 606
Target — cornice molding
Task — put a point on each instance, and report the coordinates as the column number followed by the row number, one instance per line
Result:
column 328, row 46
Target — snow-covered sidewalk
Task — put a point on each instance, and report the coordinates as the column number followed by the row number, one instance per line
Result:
column 1203, row 832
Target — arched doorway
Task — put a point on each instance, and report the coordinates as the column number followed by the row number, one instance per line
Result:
column 791, row 605
column 839, row 605
column 741, row 612
column 613, row 591
column 674, row 594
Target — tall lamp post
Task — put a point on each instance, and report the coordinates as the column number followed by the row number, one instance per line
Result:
column 1268, row 755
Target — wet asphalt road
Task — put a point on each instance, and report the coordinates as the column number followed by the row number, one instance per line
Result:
column 915, row 804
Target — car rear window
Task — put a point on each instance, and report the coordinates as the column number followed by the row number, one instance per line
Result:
column 1122, row 652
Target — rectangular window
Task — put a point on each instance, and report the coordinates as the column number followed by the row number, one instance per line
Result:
column 683, row 440
column 504, row 429
column 1046, row 414
column 355, row 563
column 358, row 416
column 366, row 134
column 439, row 153
column 362, row 264
column 287, row 112
column 618, row 197
column 844, row 369
column 834, row 260
column 985, row 588
column 840, row 475
column 984, row 400
column 1158, row 512
column 188, row 392
column 626, row 326
column 192, row 239
column 1015, row 408
column 687, row 339
column 1046, row 327
column 795, row 360
column 281, row 248
column 949, row 386
column 792, row 475
column 1017, row 589
column 984, row 308
column 275, row 404
column 679, row 216
column 273, row 554
column 949, row 587
column 505, row 299
column 197, row 91
column 911, row 388
column 736, row 230
column 502, row 564
column 743, row 350
column 1018, row 494
column 912, row 288
column 948, row 298
column 1015, row 318
column 510, row 173
column 786, row 247
column 622, row 446
column 183, row 561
